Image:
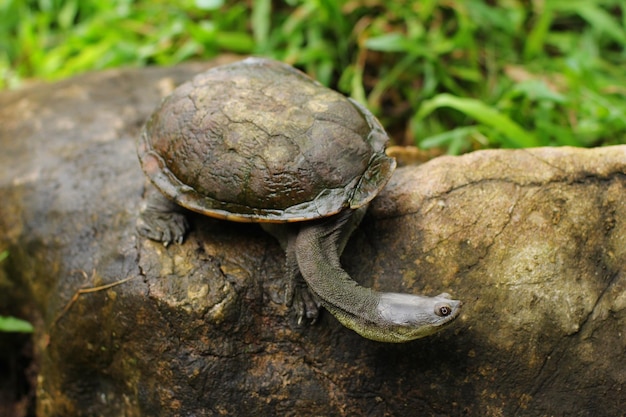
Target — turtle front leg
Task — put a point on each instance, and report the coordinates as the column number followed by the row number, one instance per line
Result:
column 297, row 295
column 161, row 219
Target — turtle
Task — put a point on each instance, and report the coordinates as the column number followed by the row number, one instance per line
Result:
column 259, row 141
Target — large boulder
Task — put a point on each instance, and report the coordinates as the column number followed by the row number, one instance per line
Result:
column 533, row 241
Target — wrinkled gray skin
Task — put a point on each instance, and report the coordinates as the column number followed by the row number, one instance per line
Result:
column 200, row 133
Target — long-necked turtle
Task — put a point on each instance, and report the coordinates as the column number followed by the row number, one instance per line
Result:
column 259, row 141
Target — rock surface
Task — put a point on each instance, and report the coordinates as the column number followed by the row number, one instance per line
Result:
column 533, row 241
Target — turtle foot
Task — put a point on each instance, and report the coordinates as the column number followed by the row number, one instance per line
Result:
column 161, row 219
column 165, row 227
column 306, row 306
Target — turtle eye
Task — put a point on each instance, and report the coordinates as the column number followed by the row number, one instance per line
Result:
column 443, row 310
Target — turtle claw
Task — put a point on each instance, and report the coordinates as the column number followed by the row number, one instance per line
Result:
column 304, row 303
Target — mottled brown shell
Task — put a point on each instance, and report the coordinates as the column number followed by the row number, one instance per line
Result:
column 258, row 140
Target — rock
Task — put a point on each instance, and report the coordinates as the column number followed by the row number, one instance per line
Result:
column 533, row 242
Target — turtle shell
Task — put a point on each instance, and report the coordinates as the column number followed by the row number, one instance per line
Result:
column 258, row 140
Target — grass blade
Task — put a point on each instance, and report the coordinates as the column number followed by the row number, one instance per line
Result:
column 13, row 324
column 484, row 114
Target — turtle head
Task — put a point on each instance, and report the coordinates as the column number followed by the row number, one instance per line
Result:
column 406, row 317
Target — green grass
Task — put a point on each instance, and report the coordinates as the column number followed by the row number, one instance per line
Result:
column 456, row 75
column 10, row 323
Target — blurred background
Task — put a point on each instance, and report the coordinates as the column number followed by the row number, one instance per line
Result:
column 446, row 75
